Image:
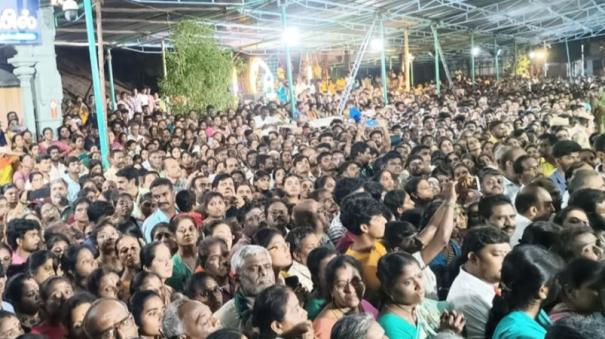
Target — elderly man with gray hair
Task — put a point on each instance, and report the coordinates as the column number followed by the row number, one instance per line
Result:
column 357, row 326
column 252, row 268
column 188, row 319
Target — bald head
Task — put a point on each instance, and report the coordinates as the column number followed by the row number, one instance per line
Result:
column 586, row 178
column 106, row 314
column 190, row 318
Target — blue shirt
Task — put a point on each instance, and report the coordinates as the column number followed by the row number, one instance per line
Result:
column 157, row 217
column 559, row 180
column 73, row 187
column 519, row 325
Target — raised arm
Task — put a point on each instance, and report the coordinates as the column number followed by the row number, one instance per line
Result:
column 439, row 230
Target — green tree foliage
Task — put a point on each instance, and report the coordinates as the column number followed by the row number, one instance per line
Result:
column 199, row 70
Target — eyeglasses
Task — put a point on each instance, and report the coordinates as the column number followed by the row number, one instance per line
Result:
column 356, row 283
column 113, row 331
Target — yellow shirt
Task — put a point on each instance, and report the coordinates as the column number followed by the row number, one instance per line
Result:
column 369, row 261
column 6, row 169
column 547, row 168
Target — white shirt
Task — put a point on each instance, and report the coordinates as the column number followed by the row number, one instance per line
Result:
column 56, row 172
column 473, row 297
column 522, row 223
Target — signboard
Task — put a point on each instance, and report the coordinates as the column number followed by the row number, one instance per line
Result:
column 19, row 22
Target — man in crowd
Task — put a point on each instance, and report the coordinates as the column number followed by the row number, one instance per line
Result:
column 127, row 181
column 498, row 211
column 251, row 266
column 109, row 318
column 565, row 153
column 24, row 237
column 475, row 286
column 534, row 203
column 164, row 198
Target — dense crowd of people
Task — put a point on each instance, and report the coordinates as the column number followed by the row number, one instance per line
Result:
column 479, row 213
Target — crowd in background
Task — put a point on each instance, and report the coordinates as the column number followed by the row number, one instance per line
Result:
column 479, row 213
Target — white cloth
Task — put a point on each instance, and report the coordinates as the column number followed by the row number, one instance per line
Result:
column 73, row 188
column 56, row 172
column 522, row 222
column 8, row 307
column 336, row 230
column 303, row 274
column 430, row 280
column 473, row 297
column 268, row 120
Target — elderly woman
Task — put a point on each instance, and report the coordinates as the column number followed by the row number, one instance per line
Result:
column 344, row 289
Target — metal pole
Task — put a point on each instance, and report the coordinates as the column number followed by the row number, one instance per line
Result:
column 284, row 21
column 472, row 58
column 114, row 103
column 383, row 69
column 496, row 52
column 545, row 60
column 164, row 68
column 437, row 81
column 96, row 84
column 514, row 72
column 582, row 69
column 411, row 72
column 568, row 59
column 406, row 59
column 101, row 54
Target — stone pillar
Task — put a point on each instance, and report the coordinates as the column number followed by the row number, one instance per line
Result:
column 49, row 88
column 43, row 91
column 24, row 71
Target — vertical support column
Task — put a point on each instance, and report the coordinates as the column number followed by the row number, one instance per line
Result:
column 36, row 68
column 101, row 54
column 284, row 21
column 411, row 72
column 582, row 69
column 24, row 72
column 114, row 103
column 383, row 69
column 347, row 61
column 568, row 59
column 406, row 59
column 473, row 58
column 436, row 52
column 164, row 68
column 496, row 55
column 96, row 84
column 514, row 73
column 545, row 59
